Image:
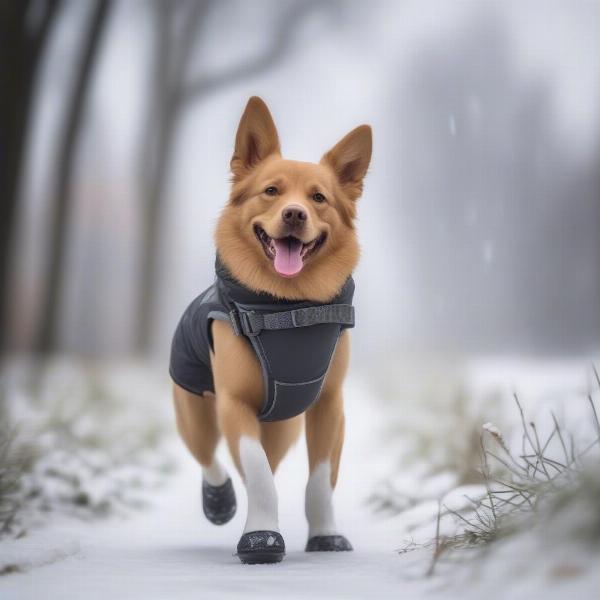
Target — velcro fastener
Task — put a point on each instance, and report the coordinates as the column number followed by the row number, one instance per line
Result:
column 342, row 314
column 252, row 323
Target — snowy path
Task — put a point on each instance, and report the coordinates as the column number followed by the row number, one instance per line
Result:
column 171, row 551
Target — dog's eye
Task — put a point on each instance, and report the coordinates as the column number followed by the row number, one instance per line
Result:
column 318, row 197
column 271, row 191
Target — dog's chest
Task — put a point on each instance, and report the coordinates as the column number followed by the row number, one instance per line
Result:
column 294, row 342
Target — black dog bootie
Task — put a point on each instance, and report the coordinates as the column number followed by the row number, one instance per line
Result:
column 258, row 547
column 218, row 502
column 328, row 543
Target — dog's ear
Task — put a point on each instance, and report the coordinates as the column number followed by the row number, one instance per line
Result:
column 350, row 159
column 255, row 140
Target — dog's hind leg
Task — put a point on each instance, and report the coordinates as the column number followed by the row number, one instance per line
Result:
column 197, row 424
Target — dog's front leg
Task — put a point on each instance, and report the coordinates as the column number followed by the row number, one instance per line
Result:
column 261, row 541
column 324, row 440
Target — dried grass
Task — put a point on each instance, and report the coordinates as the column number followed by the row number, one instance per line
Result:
column 536, row 485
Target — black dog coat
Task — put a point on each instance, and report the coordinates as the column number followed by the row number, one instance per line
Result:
column 294, row 341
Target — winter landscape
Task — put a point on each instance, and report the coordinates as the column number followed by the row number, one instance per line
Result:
column 471, row 462
column 141, row 533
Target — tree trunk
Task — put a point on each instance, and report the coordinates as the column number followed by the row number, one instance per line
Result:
column 170, row 80
column 23, row 43
column 63, row 197
column 153, row 212
column 170, row 61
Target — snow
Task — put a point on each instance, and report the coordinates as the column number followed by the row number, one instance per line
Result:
column 452, row 125
column 171, row 551
column 491, row 428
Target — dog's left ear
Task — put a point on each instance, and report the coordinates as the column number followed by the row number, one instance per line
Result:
column 350, row 159
column 255, row 140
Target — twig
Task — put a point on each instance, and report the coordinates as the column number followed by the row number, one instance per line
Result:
column 525, row 430
column 438, row 545
column 596, row 374
column 560, row 437
column 538, row 449
column 596, row 421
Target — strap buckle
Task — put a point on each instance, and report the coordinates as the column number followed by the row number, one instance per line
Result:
column 245, row 323
column 251, row 323
column 234, row 317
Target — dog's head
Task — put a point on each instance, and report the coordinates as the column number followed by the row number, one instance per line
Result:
column 288, row 228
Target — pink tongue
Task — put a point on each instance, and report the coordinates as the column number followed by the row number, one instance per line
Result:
column 288, row 259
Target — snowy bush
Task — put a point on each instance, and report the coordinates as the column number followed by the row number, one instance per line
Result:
column 433, row 430
column 549, row 485
column 548, row 475
column 81, row 440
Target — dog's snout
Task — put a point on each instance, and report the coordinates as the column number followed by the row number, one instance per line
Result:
column 294, row 215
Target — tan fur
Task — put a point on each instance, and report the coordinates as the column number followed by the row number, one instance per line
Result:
column 277, row 438
column 257, row 164
column 325, row 419
column 197, row 423
column 323, row 274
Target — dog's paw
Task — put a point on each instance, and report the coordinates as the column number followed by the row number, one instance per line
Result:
column 259, row 547
column 328, row 543
column 218, row 502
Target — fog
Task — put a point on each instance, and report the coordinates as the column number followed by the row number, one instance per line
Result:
column 479, row 222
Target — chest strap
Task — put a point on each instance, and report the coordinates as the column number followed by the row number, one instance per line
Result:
column 251, row 323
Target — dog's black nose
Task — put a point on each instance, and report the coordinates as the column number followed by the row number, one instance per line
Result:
column 294, row 216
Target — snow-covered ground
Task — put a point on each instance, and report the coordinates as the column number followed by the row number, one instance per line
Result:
column 171, row 551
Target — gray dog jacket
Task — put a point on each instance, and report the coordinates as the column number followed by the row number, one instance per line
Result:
column 293, row 340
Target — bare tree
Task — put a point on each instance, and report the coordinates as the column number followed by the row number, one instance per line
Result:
column 25, row 27
column 62, row 199
column 177, row 26
column 503, row 220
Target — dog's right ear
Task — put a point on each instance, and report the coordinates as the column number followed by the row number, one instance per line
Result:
column 255, row 140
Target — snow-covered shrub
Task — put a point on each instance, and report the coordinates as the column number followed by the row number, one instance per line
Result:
column 434, row 419
column 550, row 486
column 82, row 440
column 15, row 459
column 547, row 475
column 575, row 509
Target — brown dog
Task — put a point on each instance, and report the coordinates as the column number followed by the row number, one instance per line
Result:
column 287, row 232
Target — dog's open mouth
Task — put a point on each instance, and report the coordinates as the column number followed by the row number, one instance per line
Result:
column 288, row 253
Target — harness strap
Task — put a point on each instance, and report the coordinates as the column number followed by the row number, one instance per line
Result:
column 251, row 323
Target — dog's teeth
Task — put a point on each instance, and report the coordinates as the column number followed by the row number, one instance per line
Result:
column 308, row 247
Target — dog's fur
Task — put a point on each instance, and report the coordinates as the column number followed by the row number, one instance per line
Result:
column 257, row 448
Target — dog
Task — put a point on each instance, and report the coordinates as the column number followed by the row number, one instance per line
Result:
column 265, row 349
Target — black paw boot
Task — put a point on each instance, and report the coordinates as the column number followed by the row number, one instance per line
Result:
column 328, row 543
column 258, row 547
column 218, row 502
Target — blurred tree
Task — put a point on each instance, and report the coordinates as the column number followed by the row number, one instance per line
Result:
column 173, row 90
column 25, row 27
column 500, row 213
column 62, row 198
